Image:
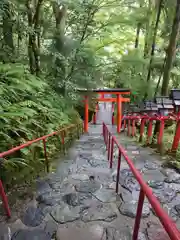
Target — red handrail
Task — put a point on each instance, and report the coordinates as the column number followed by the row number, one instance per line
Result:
column 9, row 152
column 166, row 221
column 6, row 153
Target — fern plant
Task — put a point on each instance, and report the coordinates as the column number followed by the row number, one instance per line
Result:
column 29, row 108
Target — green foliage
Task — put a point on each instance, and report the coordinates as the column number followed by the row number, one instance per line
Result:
column 66, row 45
column 29, row 109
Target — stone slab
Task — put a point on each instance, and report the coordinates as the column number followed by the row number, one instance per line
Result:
column 105, row 195
column 34, row 216
column 156, row 232
column 5, row 232
column 94, row 232
column 65, row 213
column 36, row 234
column 100, row 212
column 130, row 208
column 87, row 186
column 81, row 177
column 155, row 175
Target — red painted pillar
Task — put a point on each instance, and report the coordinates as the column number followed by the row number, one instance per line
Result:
column 176, row 138
column 86, row 115
column 138, row 215
column 112, row 109
column 112, row 150
column 4, row 200
column 118, row 113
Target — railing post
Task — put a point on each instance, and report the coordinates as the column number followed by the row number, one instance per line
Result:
column 45, row 155
column 118, row 170
column 176, row 139
column 112, row 149
column 86, row 115
column 107, row 137
column 109, row 145
column 103, row 130
column 119, row 113
column 138, row 215
column 4, row 200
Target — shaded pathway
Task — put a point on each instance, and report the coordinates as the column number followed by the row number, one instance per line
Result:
column 78, row 201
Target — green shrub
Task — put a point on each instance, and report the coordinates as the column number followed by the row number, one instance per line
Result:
column 29, row 108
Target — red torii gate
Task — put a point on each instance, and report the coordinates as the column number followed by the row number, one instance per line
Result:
column 119, row 99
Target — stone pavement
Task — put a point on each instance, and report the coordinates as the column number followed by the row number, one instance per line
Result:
column 78, row 201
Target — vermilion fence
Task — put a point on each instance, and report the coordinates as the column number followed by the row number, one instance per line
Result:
column 145, row 191
column 61, row 132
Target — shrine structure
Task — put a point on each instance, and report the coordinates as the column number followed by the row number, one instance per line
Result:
column 119, row 99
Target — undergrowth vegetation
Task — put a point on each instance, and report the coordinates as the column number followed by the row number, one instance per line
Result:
column 50, row 48
column 29, row 108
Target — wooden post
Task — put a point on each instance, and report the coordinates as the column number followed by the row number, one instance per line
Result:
column 176, row 138
column 86, row 115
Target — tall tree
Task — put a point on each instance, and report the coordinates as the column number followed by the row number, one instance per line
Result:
column 150, row 22
column 33, row 13
column 171, row 50
column 7, row 31
column 137, row 35
column 160, row 4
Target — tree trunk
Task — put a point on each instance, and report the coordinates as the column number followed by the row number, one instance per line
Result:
column 8, row 31
column 34, row 40
column 59, row 37
column 169, row 58
column 30, row 24
column 60, row 17
column 149, row 29
column 31, row 56
column 171, row 51
column 137, row 35
column 159, row 80
column 154, row 43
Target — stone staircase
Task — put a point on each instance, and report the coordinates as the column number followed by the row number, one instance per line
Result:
column 78, row 201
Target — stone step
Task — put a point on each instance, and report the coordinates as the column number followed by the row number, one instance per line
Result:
column 96, row 232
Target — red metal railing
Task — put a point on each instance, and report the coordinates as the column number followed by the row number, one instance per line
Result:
column 61, row 132
column 166, row 221
column 176, row 139
column 131, row 129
